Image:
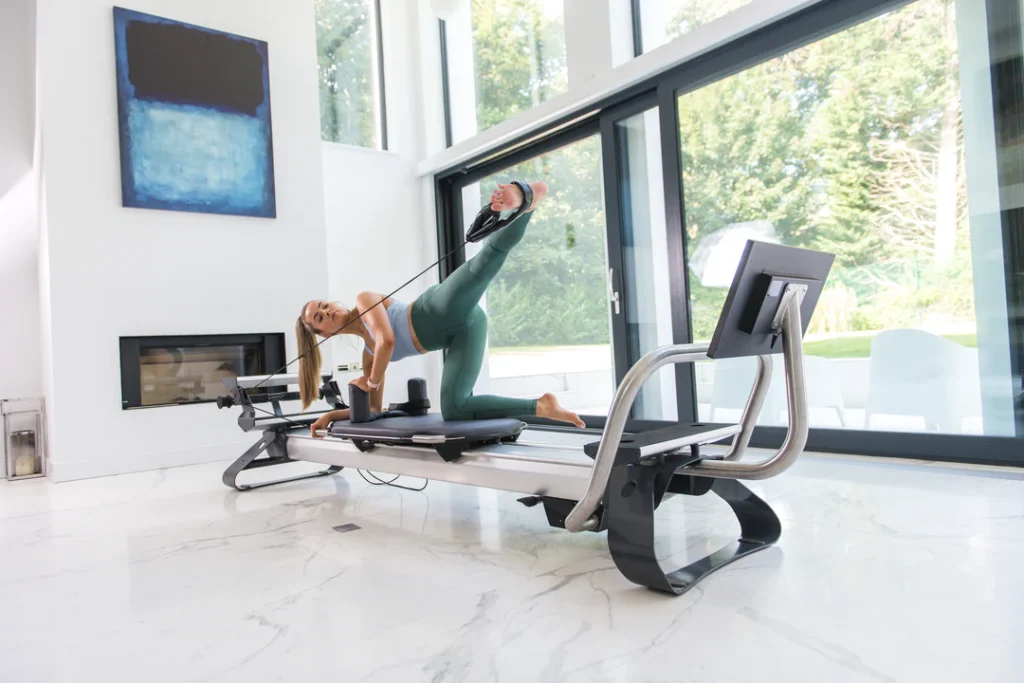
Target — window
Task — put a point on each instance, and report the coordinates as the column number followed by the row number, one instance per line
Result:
column 664, row 20
column 502, row 57
column 350, row 67
column 885, row 133
column 548, row 317
column 646, row 279
column 853, row 145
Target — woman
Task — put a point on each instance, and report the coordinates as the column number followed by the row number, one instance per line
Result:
column 446, row 316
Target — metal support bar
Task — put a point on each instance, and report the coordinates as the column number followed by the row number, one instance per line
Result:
column 277, row 454
column 796, row 403
column 582, row 518
column 542, row 471
column 253, row 381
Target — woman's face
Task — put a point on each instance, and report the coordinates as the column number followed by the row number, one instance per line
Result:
column 325, row 317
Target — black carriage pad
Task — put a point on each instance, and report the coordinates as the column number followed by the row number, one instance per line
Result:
column 449, row 438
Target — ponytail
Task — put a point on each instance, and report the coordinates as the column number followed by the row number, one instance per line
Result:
column 309, row 363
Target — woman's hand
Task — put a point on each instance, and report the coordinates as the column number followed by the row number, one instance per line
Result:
column 363, row 383
column 322, row 423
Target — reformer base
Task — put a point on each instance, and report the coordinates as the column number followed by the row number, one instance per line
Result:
column 275, row 444
column 635, row 491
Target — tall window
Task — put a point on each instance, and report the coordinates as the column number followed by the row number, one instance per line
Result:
column 664, row 20
column 548, row 317
column 502, row 57
column 852, row 145
column 350, row 69
column 894, row 143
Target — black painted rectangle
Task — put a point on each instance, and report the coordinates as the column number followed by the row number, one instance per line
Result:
column 181, row 64
column 346, row 527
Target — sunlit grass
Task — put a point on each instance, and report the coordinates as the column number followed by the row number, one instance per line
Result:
column 856, row 345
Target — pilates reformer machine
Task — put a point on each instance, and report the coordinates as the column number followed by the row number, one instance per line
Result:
column 613, row 484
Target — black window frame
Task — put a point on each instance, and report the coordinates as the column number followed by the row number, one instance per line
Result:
column 809, row 25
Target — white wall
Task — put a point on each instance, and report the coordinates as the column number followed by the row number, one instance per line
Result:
column 17, row 90
column 379, row 212
column 19, row 299
column 114, row 271
column 19, row 305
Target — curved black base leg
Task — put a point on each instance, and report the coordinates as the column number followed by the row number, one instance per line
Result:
column 629, row 516
column 277, row 454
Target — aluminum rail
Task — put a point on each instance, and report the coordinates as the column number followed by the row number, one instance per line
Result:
column 542, row 471
column 789, row 323
column 582, row 516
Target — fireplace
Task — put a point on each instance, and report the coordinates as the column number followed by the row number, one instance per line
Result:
column 179, row 370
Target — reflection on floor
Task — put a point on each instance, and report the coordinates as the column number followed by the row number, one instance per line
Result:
column 886, row 572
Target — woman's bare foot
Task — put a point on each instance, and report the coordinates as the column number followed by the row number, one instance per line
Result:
column 547, row 406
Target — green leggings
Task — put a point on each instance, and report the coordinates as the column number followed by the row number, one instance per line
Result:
column 448, row 316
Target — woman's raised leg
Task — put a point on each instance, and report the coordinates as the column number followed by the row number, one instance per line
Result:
column 450, row 303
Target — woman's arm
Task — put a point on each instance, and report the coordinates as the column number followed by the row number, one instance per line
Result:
column 376, row 395
column 325, row 420
column 376, row 318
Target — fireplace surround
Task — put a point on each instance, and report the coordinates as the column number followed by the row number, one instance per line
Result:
column 187, row 369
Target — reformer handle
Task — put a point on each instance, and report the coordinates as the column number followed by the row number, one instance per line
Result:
column 582, row 518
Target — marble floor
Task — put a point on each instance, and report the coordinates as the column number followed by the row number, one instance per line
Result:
column 887, row 571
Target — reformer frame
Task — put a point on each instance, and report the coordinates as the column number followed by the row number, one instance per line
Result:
column 614, row 484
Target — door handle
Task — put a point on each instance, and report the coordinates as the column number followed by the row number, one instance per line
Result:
column 613, row 295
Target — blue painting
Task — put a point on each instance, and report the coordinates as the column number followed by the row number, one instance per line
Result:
column 194, row 118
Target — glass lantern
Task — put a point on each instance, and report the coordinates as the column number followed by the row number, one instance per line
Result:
column 23, row 437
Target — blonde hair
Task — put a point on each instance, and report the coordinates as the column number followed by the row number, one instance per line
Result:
column 310, row 361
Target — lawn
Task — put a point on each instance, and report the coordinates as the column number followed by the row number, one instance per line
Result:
column 859, row 346
column 844, row 346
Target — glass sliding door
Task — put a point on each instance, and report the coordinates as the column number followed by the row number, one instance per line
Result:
column 548, row 309
column 640, row 272
column 870, row 144
column 893, row 140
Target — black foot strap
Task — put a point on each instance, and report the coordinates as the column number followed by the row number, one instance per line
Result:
column 488, row 221
column 274, row 444
column 629, row 516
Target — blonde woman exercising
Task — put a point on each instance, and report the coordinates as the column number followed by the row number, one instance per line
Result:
column 447, row 316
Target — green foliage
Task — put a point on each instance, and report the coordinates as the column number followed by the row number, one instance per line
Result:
column 345, row 65
column 822, row 143
column 805, row 142
column 519, row 57
column 552, row 287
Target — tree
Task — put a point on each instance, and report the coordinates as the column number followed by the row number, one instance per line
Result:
column 552, row 288
column 519, row 57
column 345, row 66
column 849, row 145
column 852, row 144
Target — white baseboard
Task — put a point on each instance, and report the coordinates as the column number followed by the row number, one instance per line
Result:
column 61, row 471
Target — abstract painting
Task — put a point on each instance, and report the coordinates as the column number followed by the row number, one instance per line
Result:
column 194, row 118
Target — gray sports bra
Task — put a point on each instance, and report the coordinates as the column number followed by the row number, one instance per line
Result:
column 398, row 315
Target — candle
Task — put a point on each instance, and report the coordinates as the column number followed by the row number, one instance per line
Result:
column 24, row 451
column 24, row 465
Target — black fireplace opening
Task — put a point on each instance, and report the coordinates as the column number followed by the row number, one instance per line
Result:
column 181, row 370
